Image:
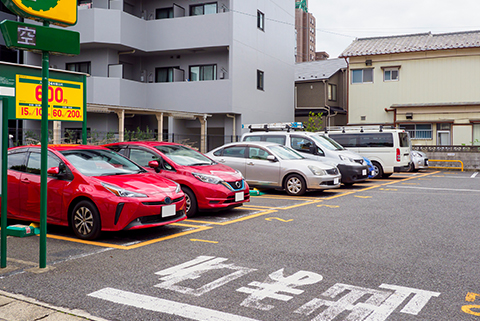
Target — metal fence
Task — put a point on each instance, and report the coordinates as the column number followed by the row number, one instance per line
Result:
column 448, row 149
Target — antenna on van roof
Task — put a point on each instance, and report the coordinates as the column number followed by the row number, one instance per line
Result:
column 361, row 129
column 381, row 128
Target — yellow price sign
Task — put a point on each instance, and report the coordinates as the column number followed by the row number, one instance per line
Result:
column 65, row 99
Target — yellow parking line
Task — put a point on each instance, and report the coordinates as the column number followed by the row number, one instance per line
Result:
column 133, row 246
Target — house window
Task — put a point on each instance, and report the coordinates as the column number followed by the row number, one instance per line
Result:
column 202, row 9
column 164, row 13
column 260, row 20
column 390, row 74
column 206, row 72
column 418, row 131
column 332, row 92
column 360, row 76
column 260, row 80
column 476, row 134
column 164, row 74
column 79, row 67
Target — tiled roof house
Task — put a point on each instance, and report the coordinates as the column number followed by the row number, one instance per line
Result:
column 427, row 83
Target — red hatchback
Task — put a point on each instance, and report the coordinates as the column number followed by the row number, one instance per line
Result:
column 207, row 184
column 91, row 189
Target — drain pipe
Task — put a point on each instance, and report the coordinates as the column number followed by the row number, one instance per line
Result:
column 234, row 138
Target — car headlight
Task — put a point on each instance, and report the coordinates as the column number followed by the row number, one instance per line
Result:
column 345, row 158
column 121, row 192
column 211, row 179
column 317, row 171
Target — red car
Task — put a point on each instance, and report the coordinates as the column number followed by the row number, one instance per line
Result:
column 207, row 184
column 91, row 189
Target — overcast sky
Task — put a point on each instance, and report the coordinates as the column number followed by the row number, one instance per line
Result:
column 339, row 22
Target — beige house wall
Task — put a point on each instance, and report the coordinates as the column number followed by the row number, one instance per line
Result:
column 435, row 86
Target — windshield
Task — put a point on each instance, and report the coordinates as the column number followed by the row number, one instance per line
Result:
column 184, row 156
column 283, row 152
column 100, row 162
column 327, row 142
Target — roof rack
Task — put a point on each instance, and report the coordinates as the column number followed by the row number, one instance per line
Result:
column 344, row 129
column 275, row 126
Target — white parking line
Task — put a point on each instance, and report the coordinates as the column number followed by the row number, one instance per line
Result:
column 165, row 306
column 474, row 175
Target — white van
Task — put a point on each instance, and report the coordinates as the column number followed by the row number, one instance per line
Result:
column 318, row 147
column 387, row 149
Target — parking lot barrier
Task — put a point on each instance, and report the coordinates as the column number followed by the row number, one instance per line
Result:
column 445, row 161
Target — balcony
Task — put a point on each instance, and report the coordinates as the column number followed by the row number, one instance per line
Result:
column 199, row 96
column 108, row 26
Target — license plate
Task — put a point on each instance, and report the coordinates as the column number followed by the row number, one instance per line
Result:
column 364, row 172
column 335, row 181
column 168, row 210
column 239, row 197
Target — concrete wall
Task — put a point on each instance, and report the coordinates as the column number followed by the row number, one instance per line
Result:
column 471, row 160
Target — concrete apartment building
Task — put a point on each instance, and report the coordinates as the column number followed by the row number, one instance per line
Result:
column 186, row 68
column 425, row 83
column 305, row 32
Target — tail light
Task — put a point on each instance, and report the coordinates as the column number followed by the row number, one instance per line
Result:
column 398, row 155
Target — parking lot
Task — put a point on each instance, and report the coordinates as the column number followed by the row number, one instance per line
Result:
column 403, row 248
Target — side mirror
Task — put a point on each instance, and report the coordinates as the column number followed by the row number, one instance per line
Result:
column 312, row 149
column 54, row 171
column 272, row 158
column 153, row 164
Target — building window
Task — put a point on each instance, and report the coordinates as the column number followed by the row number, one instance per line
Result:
column 79, row 67
column 476, row 134
column 418, row 131
column 202, row 9
column 206, row 72
column 164, row 74
column 390, row 74
column 332, row 92
column 164, row 13
column 260, row 20
column 360, row 76
column 260, row 80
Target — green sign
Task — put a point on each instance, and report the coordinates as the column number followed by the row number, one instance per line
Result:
column 60, row 12
column 19, row 35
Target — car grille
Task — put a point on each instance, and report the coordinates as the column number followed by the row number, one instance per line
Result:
column 163, row 202
column 158, row 218
column 237, row 185
column 333, row 171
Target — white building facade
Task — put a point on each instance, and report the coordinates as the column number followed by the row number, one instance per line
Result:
column 184, row 67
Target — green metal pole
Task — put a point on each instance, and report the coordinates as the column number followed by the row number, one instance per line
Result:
column 44, row 159
column 84, row 125
column 3, row 262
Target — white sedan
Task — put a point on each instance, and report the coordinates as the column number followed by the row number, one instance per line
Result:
column 271, row 165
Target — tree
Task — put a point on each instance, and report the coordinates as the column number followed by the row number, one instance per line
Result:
column 314, row 122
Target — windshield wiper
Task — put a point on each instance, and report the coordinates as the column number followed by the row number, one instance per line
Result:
column 199, row 164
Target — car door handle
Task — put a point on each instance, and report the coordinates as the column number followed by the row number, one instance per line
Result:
column 221, row 160
column 250, row 163
column 26, row 181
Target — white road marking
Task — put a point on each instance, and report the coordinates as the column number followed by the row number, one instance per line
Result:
column 165, row 306
column 474, row 175
column 439, row 189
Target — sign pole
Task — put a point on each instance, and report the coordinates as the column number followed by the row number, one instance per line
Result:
column 44, row 158
column 3, row 263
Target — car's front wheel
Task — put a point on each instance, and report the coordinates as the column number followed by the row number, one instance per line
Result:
column 295, row 185
column 191, row 207
column 377, row 169
column 85, row 220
